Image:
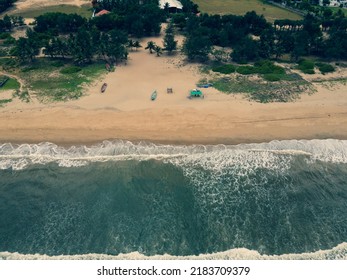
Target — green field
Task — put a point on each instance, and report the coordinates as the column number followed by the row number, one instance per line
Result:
column 335, row 9
column 84, row 10
column 240, row 7
column 11, row 84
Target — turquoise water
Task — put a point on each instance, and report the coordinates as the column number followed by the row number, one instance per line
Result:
column 277, row 198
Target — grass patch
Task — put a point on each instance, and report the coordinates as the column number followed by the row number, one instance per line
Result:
column 237, row 7
column 57, row 86
column 263, row 91
column 224, row 69
column 335, row 9
column 84, row 11
column 272, row 77
column 268, row 67
column 29, row 68
column 8, row 63
column 11, row 84
column 22, row 95
column 70, row 69
column 57, row 64
column 4, row 101
column 269, row 71
column 306, row 66
column 246, row 70
column 325, row 67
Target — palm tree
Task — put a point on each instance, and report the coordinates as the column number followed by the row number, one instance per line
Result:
column 158, row 50
column 131, row 44
column 150, row 46
column 137, row 45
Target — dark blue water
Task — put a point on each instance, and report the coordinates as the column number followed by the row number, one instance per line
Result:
column 278, row 198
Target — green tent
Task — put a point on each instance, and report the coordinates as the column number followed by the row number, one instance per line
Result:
column 196, row 93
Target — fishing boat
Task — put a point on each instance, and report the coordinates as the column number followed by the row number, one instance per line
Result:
column 103, row 88
column 154, row 95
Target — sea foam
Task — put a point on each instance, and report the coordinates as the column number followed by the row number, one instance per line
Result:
column 337, row 253
column 21, row 156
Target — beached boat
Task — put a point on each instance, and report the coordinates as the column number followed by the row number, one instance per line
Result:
column 154, row 95
column 103, row 88
column 205, row 85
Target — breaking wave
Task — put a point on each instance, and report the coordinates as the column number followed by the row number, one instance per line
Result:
column 337, row 253
column 18, row 157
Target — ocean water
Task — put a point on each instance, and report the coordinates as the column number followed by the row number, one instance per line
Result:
column 119, row 200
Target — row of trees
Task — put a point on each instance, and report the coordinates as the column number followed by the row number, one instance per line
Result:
column 136, row 19
column 252, row 38
column 82, row 46
column 5, row 4
column 8, row 22
column 70, row 35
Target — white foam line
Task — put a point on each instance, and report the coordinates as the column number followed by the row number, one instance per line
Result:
column 337, row 253
column 23, row 155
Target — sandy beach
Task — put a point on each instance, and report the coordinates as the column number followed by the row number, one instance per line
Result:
column 125, row 110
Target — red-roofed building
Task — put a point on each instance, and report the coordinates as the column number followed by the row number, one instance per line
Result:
column 102, row 12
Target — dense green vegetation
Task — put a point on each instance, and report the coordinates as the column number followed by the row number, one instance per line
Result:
column 5, row 4
column 252, row 38
column 224, row 69
column 306, row 66
column 325, row 68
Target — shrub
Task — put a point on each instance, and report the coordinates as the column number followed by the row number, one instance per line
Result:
column 4, row 35
column 224, row 69
column 306, row 66
column 246, row 70
column 325, row 68
column 9, row 41
column 70, row 70
column 29, row 68
column 267, row 67
column 57, row 64
column 308, row 71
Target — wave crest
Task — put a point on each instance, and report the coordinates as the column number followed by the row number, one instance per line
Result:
column 337, row 253
column 21, row 156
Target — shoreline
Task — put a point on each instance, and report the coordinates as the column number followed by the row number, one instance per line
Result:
column 68, row 126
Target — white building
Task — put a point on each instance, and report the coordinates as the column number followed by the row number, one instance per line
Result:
column 335, row 3
column 173, row 4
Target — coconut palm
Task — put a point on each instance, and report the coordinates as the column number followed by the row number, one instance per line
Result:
column 137, row 45
column 150, row 46
column 131, row 44
column 158, row 50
